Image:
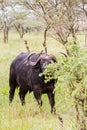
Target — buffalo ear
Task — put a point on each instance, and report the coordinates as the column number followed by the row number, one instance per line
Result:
column 53, row 58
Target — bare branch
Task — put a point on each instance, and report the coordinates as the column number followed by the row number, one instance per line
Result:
column 45, row 36
column 27, row 47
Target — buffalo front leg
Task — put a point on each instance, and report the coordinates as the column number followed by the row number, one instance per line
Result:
column 22, row 94
column 52, row 102
column 37, row 96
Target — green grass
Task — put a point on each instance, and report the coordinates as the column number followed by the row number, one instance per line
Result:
column 29, row 117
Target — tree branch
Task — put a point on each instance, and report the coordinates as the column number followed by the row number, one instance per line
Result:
column 45, row 34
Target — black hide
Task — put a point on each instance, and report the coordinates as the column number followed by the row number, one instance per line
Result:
column 26, row 76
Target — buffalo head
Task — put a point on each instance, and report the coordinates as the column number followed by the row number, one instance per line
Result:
column 42, row 60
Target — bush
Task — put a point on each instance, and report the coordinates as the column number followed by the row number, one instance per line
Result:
column 71, row 71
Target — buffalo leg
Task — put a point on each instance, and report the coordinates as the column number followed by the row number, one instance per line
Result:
column 52, row 102
column 22, row 94
column 38, row 98
column 11, row 93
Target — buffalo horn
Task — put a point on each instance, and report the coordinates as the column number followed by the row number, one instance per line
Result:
column 42, row 56
column 34, row 63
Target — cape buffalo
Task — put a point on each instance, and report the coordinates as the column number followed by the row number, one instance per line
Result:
column 24, row 72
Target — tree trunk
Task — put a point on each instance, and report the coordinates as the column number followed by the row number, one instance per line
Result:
column 6, row 35
column 80, row 116
column 20, row 30
column 85, row 40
